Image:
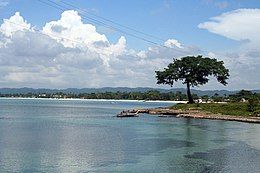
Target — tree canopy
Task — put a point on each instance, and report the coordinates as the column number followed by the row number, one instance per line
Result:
column 193, row 71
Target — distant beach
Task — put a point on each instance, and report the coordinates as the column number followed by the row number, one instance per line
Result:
column 112, row 100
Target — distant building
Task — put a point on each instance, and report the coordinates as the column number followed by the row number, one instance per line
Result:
column 198, row 101
column 243, row 100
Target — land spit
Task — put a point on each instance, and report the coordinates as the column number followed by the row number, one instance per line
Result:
column 167, row 112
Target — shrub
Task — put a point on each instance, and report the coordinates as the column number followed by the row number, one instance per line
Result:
column 257, row 113
column 252, row 104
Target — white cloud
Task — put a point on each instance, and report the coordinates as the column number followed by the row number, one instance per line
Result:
column 87, row 58
column 70, row 31
column 142, row 54
column 14, row 24
column 240, row 25
column 71, row 27
column 172, row 43
column 244, row 69
column 44, row 59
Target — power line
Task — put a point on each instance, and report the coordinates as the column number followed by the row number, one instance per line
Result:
column 111, row 21
column 62, row 8
column 73, row 40
column 65, row 38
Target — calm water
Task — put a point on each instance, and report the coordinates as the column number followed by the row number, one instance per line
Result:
column 84, row 136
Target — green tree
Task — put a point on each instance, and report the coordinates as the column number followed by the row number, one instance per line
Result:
column 180, row 96
column 205, row 98
column 241, row 94
column 217, row 98
column 252, row 103
column 193, row 71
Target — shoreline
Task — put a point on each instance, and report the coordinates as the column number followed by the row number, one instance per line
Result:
column 77, row 99
column 161, row 112
column 167, row 112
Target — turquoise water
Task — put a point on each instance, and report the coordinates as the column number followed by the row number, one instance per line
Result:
column 84, row 136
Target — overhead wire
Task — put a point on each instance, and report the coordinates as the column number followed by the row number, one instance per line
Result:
column 62, row 8
column 111, row 21
column 61, row 37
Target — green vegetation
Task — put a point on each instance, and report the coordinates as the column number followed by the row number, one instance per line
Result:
column 192, row 71
column 243, row 103
column 252, row 105
column 242, row 95
column 149, row 95
column 238, row 109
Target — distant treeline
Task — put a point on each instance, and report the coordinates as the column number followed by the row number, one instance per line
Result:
column 149, row 95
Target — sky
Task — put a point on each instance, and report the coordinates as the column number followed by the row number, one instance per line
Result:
column 83, row 44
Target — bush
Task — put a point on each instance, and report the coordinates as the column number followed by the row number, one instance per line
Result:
column 257, row 113
column 252, row 104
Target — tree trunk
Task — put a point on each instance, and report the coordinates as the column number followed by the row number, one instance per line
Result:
column 189, row 94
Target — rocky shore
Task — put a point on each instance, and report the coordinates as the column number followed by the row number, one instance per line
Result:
column 167, row 112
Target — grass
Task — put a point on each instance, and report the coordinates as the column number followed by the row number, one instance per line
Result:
column 237, row 109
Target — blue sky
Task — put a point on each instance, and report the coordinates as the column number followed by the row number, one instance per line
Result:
column 165, row 19
column 231, row 36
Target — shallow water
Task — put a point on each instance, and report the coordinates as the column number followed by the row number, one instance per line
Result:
column 84, row 136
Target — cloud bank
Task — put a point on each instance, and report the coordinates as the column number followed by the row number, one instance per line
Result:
column 70, row 53
column 241, row 25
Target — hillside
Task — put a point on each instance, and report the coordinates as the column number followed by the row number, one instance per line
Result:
column 111, row 89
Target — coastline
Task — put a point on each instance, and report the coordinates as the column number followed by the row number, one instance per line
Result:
column 77, row 99
column 167, row 112
column 161, row 112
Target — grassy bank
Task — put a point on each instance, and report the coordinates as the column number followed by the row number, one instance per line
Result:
column 237, row 109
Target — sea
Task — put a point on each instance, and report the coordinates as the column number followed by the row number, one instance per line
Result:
column 84, row 136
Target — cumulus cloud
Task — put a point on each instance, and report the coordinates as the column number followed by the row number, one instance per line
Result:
column 172, row 43
column 239, row 25
column 244, row 68
column 69, row 53
column 71, row 26
column 70, row 31
column 15, row 23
